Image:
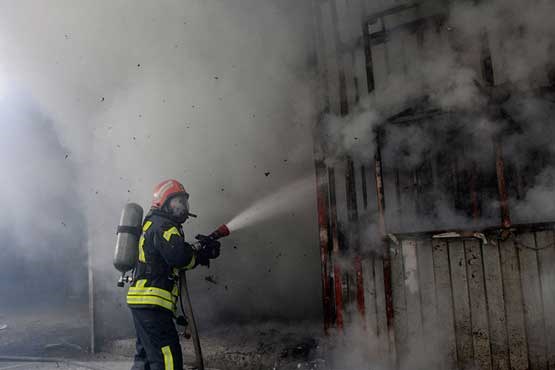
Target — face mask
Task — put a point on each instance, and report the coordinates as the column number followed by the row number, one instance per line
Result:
column 178, row 207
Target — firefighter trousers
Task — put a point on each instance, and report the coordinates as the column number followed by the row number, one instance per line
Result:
column 157, row 346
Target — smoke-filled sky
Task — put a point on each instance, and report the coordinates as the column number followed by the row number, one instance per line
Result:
column 216, row 94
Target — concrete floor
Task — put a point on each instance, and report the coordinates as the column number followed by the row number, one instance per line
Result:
column 64, row 335
column 110, row 365
column 247, row 347
column 89, row 365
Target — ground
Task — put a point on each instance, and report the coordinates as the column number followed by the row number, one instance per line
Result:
column 63, row 339
column 251, row 347
column 94, row 365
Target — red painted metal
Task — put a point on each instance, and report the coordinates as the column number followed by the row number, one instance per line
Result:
column 388, row 288
column 360, row 289
column 352, row 209
column 323, row 222
column 343, row 111
column 338, row 289
column 502, row 186
column 337, row 274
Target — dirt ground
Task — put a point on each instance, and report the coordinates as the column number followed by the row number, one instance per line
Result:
column 62, row 337
column 60, row 331
column 94, row 365
column 251, row 347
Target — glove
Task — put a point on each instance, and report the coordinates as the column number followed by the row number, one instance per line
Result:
column 209, row 249
column 212, row 249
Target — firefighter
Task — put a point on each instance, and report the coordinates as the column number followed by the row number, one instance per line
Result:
column 153, row 295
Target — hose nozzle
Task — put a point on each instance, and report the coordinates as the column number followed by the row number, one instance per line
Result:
column 220, row 232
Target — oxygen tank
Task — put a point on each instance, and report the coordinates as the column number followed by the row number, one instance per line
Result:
column 127, row 245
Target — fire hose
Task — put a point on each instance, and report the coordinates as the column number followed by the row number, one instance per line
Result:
column 188, row 311
column 220, row 232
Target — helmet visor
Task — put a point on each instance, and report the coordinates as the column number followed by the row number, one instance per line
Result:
column 178, row 206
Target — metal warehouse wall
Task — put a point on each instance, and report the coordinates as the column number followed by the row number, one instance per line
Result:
column 482, row 299
column 460, row 301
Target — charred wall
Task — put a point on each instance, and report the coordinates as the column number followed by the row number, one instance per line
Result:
column 430, row 124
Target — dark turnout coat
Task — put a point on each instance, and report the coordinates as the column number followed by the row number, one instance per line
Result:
column 162, row 253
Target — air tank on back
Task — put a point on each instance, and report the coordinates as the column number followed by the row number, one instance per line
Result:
column 127, row 244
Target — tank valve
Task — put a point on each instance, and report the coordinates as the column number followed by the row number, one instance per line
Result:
column 123, row 280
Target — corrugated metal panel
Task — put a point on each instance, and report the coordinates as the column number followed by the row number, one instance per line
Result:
column 430, row 303
column 546, row 254
column 444, row 304
column 512, row 292
column 461, row 302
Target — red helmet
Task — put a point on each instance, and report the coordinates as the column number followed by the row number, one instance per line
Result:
column 165, row 190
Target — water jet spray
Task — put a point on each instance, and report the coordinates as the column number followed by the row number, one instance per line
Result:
column 275, row 204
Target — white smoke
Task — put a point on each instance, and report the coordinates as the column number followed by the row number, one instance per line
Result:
column 448, row 76
column 215, row 94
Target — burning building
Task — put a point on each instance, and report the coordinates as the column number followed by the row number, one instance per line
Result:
column 434, row 163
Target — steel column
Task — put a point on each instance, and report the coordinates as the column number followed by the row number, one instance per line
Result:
column 354, row 236
column 337, row 273
column 388, row 289
column 322, row 192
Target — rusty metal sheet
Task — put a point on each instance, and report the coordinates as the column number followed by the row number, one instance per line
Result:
column 532, row 301
column 381, row 310
column 512, row 290
column 478, row 304
column 428, row 299
column 322, row 194
column 412, row 297
column 546, row 257
column 369, row 288
column 447, row 347
column 461, row 304
column 337, row 272
column 399, row 304
column 496, row 307
column 488, row 299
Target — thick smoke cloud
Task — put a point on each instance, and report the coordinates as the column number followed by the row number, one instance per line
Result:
column 446, row 74
column 216, row 94
column 219, row 95
column 42, row 226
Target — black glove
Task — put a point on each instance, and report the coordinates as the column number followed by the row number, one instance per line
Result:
column 209, row 249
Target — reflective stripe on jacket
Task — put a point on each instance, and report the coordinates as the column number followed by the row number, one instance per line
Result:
column 162, row 253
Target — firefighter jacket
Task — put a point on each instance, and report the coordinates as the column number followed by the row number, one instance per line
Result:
column 162, row 253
